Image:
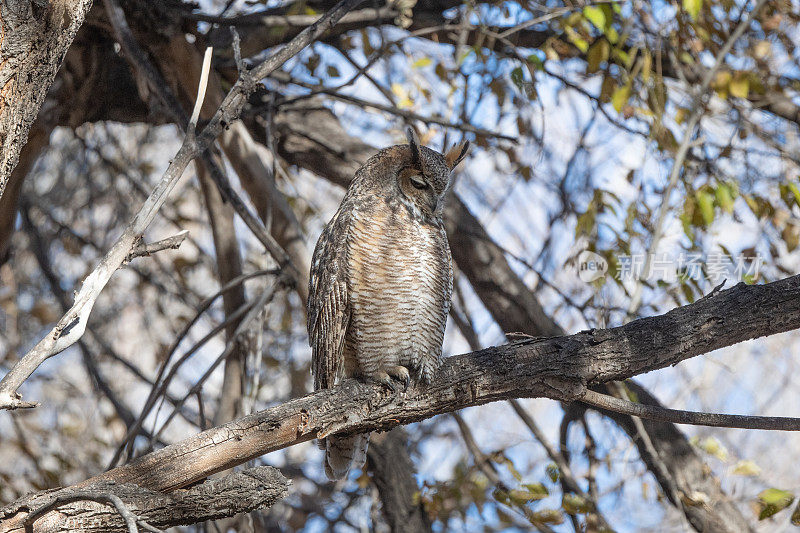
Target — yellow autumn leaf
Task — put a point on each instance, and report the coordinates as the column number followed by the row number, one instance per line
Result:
column 746, row 468
column 404, row 101
column 692, row 7
column 620, row 97
column 739, row 86
column 422, row 62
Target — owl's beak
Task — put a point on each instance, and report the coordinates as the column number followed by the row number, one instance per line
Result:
column 434, row 203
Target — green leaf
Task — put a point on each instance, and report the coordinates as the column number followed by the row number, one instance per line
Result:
column 579, row 42
column 692, row 7
column 536, row 61
column 521, row 497
column 711, row 446
column 538, row 490
column 518, row 78
column 607, row 89
column 422, row 62
column 647, row 65
column 501, row 496
column 586, row 223
column 687, row 292
column 596, row 16
column 574, row 504
column 796, row 515
column 612, row 35
column 620, row 97
column 706, row 203
column 795, row 190
column 546, row 516
column 724, row 197
column 772, row 501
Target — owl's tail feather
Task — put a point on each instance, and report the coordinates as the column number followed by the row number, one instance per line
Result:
column 344, row 453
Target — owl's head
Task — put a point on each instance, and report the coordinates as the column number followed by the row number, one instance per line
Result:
column 424, row 174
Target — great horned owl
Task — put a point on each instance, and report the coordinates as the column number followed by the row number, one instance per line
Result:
column 381, row 280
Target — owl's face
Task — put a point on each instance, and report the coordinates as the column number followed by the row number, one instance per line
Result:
column 424, row 175
column 410, row 174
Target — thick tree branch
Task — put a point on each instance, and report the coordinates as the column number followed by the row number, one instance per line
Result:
column 73, row 509
column 558, row 368
column 335, row 155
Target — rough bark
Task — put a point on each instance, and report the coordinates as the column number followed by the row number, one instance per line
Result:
column 256, row 488
column 559, row 368
column 34, row 38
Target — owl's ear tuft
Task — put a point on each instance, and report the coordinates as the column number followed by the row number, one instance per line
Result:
column 413, row 142
column 456, row 154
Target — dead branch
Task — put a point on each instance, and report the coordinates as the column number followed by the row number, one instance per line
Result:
column 170, row 243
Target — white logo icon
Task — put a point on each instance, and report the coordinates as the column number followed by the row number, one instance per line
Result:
column 591, row 266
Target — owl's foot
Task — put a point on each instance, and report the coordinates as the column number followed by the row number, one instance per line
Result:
column 400, row 373
column 387, row 377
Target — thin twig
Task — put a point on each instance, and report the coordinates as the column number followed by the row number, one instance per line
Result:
column 201, row 90
column 694, row 418
column 408, row 115
column 107, row 498
column 170, row 243
column 237, row 50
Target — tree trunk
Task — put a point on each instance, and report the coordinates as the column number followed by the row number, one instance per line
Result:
column 35, row 38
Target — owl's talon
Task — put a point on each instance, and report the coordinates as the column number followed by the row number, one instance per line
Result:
column 400, row 373
column 386, row 380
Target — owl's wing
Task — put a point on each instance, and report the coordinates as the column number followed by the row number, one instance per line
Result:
column 328, row 305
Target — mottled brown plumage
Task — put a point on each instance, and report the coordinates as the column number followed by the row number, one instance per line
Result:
column 381, row 280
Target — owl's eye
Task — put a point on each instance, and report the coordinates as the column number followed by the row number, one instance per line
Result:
column 419, row 182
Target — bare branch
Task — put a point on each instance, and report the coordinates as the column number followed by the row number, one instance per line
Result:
column 676, row 416
column 72, row 325
column 170, row 243
column 84, row 495
column 201, row 91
